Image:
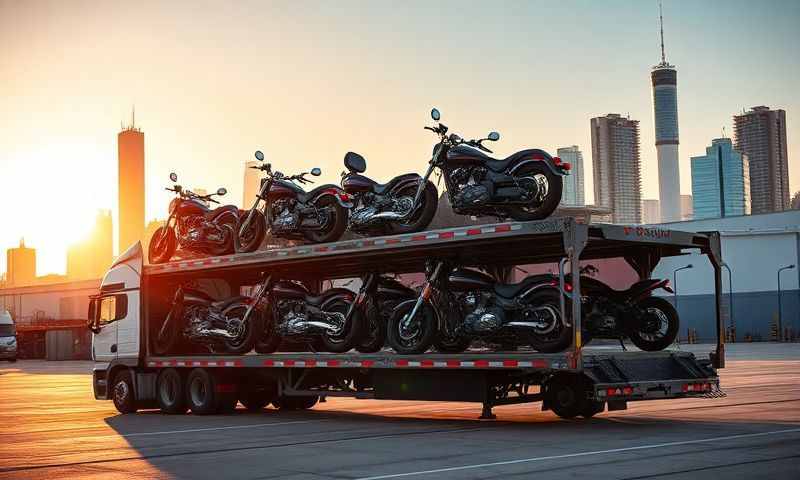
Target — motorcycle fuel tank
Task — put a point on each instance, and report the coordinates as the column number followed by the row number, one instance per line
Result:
column 355, row 183
column 466, row 280
column 282, row 189
column 391, row 288
column 187, row 208
column 286, row 289
column 462, row 156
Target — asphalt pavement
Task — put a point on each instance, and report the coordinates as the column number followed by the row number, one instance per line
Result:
column 51, row 427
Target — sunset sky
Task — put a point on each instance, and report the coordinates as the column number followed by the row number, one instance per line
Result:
column 307, row 81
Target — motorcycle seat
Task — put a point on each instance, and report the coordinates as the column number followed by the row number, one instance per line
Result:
column 223, row 304
column 511, row 290
column 638, row 287
column 215, row 213
column 498, row 165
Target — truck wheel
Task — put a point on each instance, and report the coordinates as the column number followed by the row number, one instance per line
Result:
column 170, row 394
column 295, row 403
column 122, row 393
column 256, row 398
column 566, row 396
column 592, row 408
column 203, row 396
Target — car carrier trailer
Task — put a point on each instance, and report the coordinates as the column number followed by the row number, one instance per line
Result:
column 134, row 299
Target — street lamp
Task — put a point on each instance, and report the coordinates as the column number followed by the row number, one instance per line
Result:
column 780, row 326
column 675, row 282
column 730, row 301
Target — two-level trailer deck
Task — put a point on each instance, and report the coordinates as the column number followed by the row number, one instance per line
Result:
column 579, row 381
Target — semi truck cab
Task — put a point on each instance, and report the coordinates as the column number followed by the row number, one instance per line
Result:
column 8, row 337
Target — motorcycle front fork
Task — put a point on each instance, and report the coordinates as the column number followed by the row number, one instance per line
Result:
column 427, row 290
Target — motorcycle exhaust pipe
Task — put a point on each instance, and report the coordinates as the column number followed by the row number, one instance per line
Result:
column 322, row 325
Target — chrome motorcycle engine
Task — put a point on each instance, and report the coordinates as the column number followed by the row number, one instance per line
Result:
column 482, row 317
column 293, row 318
column 470, row 189
column 286, row 218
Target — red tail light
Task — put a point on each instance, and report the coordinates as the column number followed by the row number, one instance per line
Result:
column 568, row 287
column 566, row 166
column 557, row 160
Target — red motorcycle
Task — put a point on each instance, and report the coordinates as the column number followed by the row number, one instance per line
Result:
column 193, row 226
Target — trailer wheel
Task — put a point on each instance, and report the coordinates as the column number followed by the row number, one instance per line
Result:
column 202, row 394
column 592, row 408
column 170, row 392
column 295, row 403
column 566, row 396
column 122, row 392
column 256, row 398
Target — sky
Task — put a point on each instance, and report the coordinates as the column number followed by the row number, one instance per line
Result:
column 307, row 81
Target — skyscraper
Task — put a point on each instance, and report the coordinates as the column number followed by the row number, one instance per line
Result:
column 252, row 182
column 20, row 265
column 617, row 169
column 573, row 193
column 761, row 135
column 92, row 256
column 651, row 211
column 720, row 182
column 665, row 109
column 130, row 144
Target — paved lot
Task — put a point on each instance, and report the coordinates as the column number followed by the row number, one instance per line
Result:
column 51, row 427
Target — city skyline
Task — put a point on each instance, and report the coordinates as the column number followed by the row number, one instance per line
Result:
column 306, row 100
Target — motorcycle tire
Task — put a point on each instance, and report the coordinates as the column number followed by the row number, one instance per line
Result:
column 166, row 341
column 423, row 216
column 254, row 236
column 452, row 345
column 423, row 336
column 551, row 200
column 252, row 328
column 228, row 244
column 560, row 336
column 336, row 225
column 352, row 333
column 374, row 333
column 269, row 340
column 161, row 250
column 654, row 306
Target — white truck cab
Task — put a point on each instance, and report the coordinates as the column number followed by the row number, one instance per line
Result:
column 114, row 317
column 8, row 337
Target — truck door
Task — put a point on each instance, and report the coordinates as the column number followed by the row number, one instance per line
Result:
column 104, row 340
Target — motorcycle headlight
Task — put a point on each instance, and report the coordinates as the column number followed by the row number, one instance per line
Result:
column 173, row 205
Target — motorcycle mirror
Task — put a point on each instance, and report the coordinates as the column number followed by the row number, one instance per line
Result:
column 316, row 172
column 221, row 191
column 173, row 176
column 493, row 136
column 435, row 115
column 259, row 155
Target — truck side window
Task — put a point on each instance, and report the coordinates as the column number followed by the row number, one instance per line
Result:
column 112, row 308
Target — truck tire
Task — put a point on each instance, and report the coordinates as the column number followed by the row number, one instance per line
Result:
column 592, row 408
column 256, row 398
column 170, row 392
column 202, row 394
column 566, row 396
column 122, row 392
column 295, row 403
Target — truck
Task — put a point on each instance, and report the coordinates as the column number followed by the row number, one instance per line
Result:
column 8, row 337
column 581, row 381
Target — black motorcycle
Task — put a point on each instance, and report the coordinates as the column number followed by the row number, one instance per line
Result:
column 459, row 305
column 290, row 212
column 228, row 326
column 296, row 315
column 193, row 226
column 524, row 186
column 376, row 299
column 651, row 322
column 390, row 207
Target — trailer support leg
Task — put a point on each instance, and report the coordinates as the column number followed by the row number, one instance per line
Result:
column 486, row 413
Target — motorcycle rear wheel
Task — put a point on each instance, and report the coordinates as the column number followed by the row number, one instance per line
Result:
column 555, row 184
column 269, row 340
column 559, row 337
column 254, row 234
column 336, row 225
column 245, row 341
column 348, row 338
column 160, row 250
column 374, row 331
column 228, row 243
column 664, row 312
column 423, row 216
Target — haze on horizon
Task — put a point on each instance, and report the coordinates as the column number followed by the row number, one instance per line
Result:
column 307, row 81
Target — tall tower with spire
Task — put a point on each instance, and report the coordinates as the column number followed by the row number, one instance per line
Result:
column 130, row 149
column 665, row 108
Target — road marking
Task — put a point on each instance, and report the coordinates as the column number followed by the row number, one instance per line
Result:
column 211, row 429
column 580, row 454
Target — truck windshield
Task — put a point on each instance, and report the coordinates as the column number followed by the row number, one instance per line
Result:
column 7, row 330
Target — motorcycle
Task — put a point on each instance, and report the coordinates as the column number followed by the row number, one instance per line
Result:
column 650, row 322
column 376, row 299
column 294, row 314
column 290, row 212
column 230, row 325
column 459, row 305
column 387, row 208
column 193, row 226
column 524, row 186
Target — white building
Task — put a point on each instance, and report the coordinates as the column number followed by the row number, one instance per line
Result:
column 573, row 193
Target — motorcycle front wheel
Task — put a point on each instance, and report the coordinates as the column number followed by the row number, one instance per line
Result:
column 552, row 185
column 335, row 225
column 162, row 246
column 658, row 326
column 350, row 333
column 245, row 332
column 412, row 335
column 423, row 215
column 251, row 238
